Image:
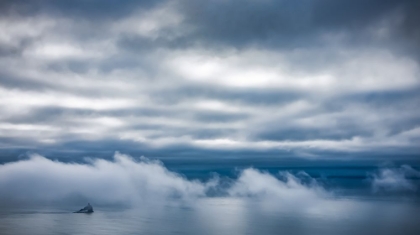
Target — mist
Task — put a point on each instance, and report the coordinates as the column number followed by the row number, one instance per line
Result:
column 134, row 182
column 124, row 180
column 395, row 180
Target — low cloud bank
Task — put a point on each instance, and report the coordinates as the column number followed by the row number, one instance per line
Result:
column 395, row 180
column 128, row 181
column 123, row 180
column 139, row 181
column 291, row 189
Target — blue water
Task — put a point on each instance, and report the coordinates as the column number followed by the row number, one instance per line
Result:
column 221, row 216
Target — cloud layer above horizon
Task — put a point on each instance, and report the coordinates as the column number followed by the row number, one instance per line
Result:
column 136, row 182
column 300, row 76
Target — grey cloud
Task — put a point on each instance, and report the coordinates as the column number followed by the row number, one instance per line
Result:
column 395, row 180
column 341, row 132
column 15, row 50
column 79, row 8
column 136, row 44
column 253, row 96
column 78, row 67
column 242, row 23
column 11, row 81
column 100, row 73
column 291, row 24
column 219, row 117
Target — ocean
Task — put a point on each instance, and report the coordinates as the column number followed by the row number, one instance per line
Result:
column 220, row 216
column 146, row 197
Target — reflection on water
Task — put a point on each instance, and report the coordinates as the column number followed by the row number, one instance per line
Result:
column 223, row 216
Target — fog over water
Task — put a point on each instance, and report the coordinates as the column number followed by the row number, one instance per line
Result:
column 131, row 181
column 138, row 195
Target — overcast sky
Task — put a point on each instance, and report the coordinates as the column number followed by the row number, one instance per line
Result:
column 308, row 78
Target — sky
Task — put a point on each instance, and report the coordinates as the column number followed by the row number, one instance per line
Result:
column 306, row 79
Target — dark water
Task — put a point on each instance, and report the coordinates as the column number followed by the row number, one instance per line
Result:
column 223, row 216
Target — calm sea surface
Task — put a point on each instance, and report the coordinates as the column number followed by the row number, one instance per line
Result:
column 222, row 216
column 352, row 210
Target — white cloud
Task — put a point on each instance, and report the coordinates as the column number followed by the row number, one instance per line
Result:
column 123, row 180
column 140, row 182
column 352, row 71
column 55, row 51
column 27, row 99
column 253, row 183
column 394, row 179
